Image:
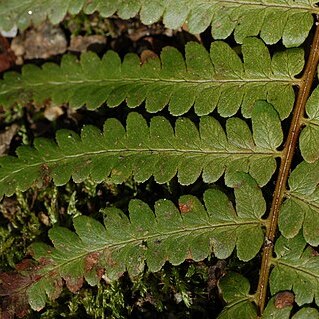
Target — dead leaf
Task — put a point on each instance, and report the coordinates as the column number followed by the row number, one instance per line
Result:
column 51, row 113
column 215, row 272
column 7, row 57
column 6, row 138
column 81, row 43
column 41, row 42
column 147, row 55
column 13, row 287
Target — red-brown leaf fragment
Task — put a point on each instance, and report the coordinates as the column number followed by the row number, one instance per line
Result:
column 13, row 287
column 73, row 284
column 90, row 261
column 7, row 57
column 284, row 299
column 185, row 207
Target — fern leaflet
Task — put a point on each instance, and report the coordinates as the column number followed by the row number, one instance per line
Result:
column 126, row 244
column 309, row 137
column 273, row 20
column 296, row 268
column 300, row 209
column 156, row 150
column 219, row 79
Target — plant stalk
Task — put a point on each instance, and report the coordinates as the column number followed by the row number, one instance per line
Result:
column 284, row 169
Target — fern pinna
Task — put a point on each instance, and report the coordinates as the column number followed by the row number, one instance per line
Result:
column 237, row 113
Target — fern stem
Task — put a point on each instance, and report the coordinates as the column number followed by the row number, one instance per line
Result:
column 285, row 165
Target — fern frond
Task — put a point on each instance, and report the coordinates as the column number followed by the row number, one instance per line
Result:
column 297, row 269
column 169, row 234
column 219, row 79
column 144, row 151
column 272, row 20
column 309, row 137
column 301, row 208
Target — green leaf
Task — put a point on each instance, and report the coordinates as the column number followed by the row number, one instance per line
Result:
column 144, row 150
column 266, row 135
column 218, row 79
column 273, row 19
column 309, row 137
column 301, row 207
column 167, row 234
column 297, row 269
column 273, row 312
column 284, row 311
column 306, row 312
column 235, row 291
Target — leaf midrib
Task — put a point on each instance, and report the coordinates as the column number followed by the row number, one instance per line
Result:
column 304, row 200
column 49, row 271
column 145, row 81
column 180, row 152
column 297, row 268
column 309, row 8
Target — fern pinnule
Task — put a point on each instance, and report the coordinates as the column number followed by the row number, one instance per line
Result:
column 301, row 206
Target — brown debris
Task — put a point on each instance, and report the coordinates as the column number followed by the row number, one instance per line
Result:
column 51, row 113
column 314, row 252
column 186, row 29
column 13, row 302
column 13, row 287
column 82, row 43
column 9, row 208
column 41, row 42
column 7, row 57
column 148, row 55
column 215, row 272
column 136, row 30
column 6, row 138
